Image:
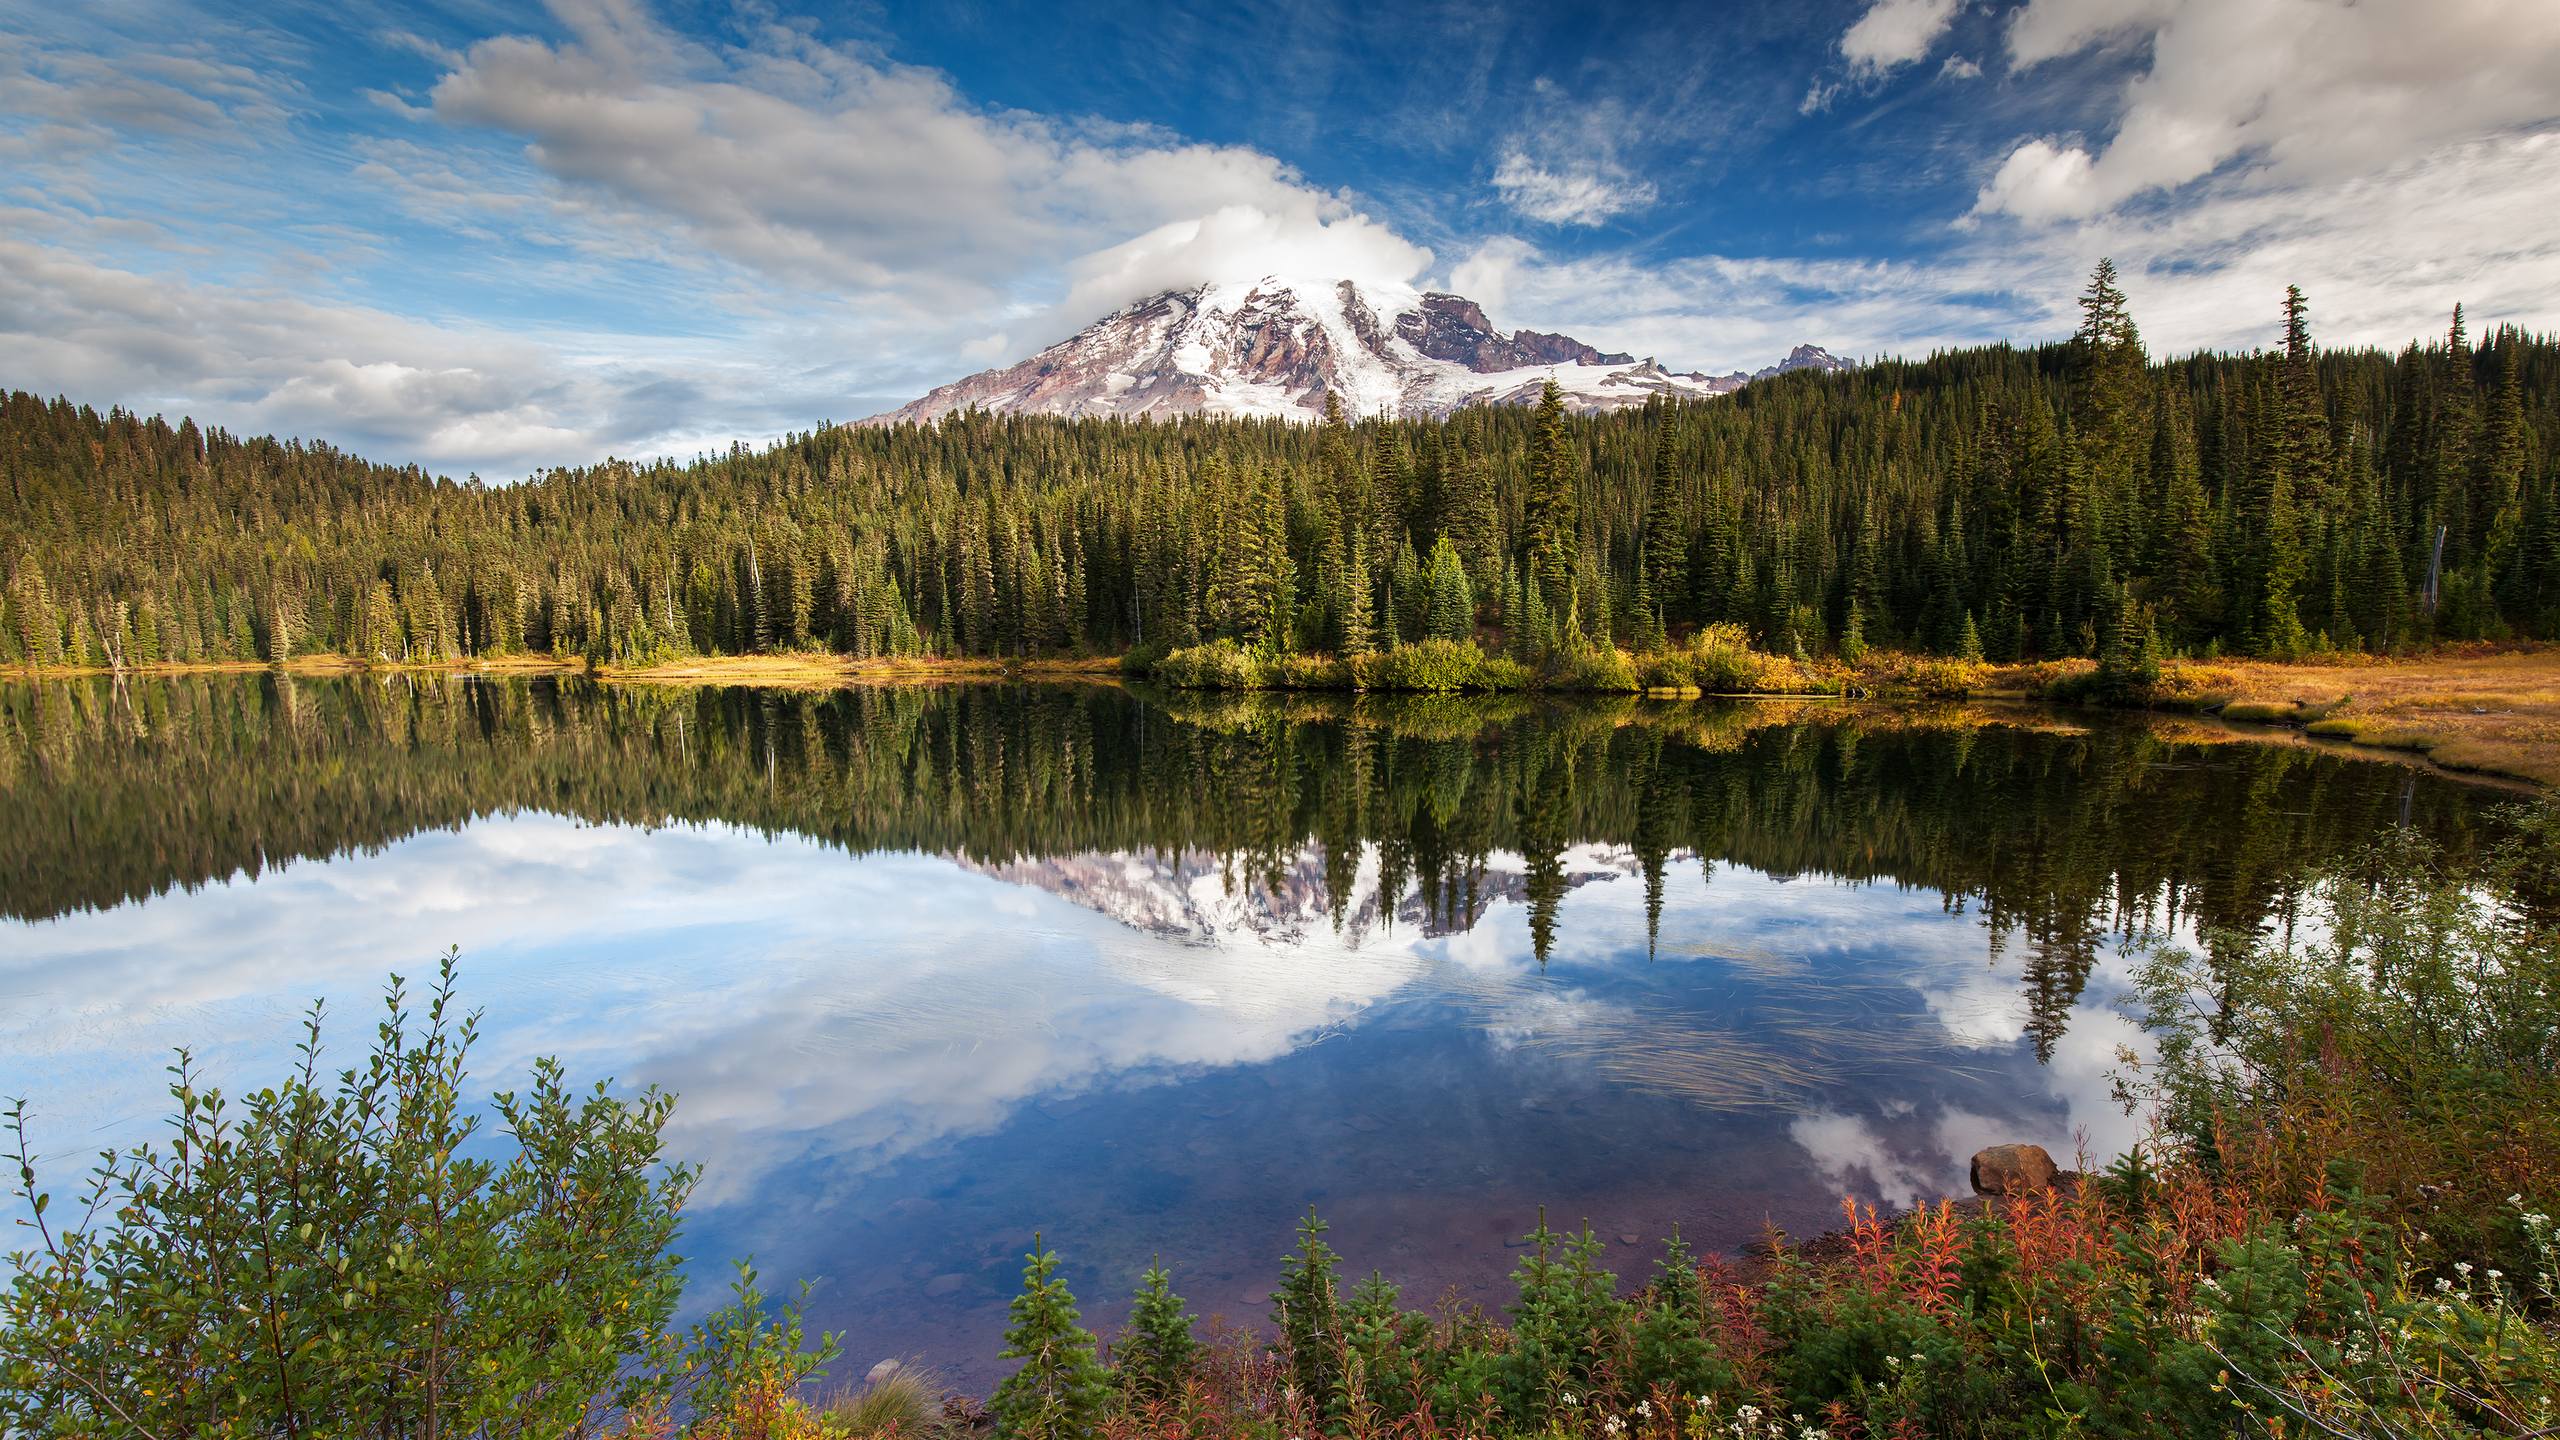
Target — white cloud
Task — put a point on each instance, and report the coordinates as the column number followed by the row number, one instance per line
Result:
column 1894, row 33
column 258, row 357
column 1855, row 1156
column 1563, row 167
column 841, row 230
column 1313, row 237
column 1566, row 196
column 2384, row 254
column 2293, row 91
column 832, row 169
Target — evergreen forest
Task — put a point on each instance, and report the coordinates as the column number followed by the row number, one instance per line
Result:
column 2010, row 503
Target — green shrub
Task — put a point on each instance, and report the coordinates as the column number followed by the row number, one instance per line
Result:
column 1216, row 665
column 343, row 1256
column 1313, row 672
column 1599, row 668
column 1437, row 665
column 2425, row 1004
column 1667, row 670
column 1143, row 659
column 1722, row 661
column 1307, row 1311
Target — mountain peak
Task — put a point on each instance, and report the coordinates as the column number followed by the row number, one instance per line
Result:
column 1279, row 345
column 1806, row 357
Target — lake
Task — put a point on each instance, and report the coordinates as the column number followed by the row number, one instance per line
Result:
column 934, row 967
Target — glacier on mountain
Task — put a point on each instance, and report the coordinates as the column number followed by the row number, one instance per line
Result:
column 1277, row 347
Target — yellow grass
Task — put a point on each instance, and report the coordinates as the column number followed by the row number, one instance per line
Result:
column 818, row 669
column 323, row 663
column 2492, row 710
column 787, row 670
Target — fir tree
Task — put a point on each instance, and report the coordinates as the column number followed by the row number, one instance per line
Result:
column 1665, row 571
column 1359, row 624
column 1453, row 605
column 1554, row 534
column 1154, row 1362
column 1389, row 1352
column 1061, row 1391
column 1307, row 1312
column 1567, row 1311
column 1675, row 1348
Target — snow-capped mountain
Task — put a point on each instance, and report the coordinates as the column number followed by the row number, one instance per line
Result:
column 1199, row 898
column 1278, row 347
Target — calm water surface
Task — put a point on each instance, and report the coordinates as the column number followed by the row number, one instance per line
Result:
column 932, row 968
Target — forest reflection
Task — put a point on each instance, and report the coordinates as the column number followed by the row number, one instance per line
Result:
column 1350, row 815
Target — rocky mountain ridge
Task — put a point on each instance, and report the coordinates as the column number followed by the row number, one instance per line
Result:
column 1279, row 347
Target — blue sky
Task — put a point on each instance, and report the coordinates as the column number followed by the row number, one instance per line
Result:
column 496, row 237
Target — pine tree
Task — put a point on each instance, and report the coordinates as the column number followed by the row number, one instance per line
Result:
column 1154, row 1362
column 39, row 622
column 2305, row 419
column 1666, row 537
column 1359, row 625
column 1469, row 522
column 1061, row 1390
column 1389, row 1351
column 1567, row 1310
column 2108, row 427
column 1554, row 473
column 1307, row 1312
column 1675, row 1349
column 1453, row 605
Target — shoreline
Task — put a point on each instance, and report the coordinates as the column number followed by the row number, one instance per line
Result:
column 2485, row 714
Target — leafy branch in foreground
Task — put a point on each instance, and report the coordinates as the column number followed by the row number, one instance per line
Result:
column 349, row 1254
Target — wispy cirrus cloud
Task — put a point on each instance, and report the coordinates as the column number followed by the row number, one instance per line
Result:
column 1568, row 165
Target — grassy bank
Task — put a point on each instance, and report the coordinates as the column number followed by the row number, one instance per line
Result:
column 822, row 669
column 2338, row 1226
column 2486, row 710
column 317, row 663
column 786, row 668
column 1718, row 660
column 2483, row 710
column 2492, row 710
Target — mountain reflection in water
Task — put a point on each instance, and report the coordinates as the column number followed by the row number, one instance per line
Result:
column 934, row 966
